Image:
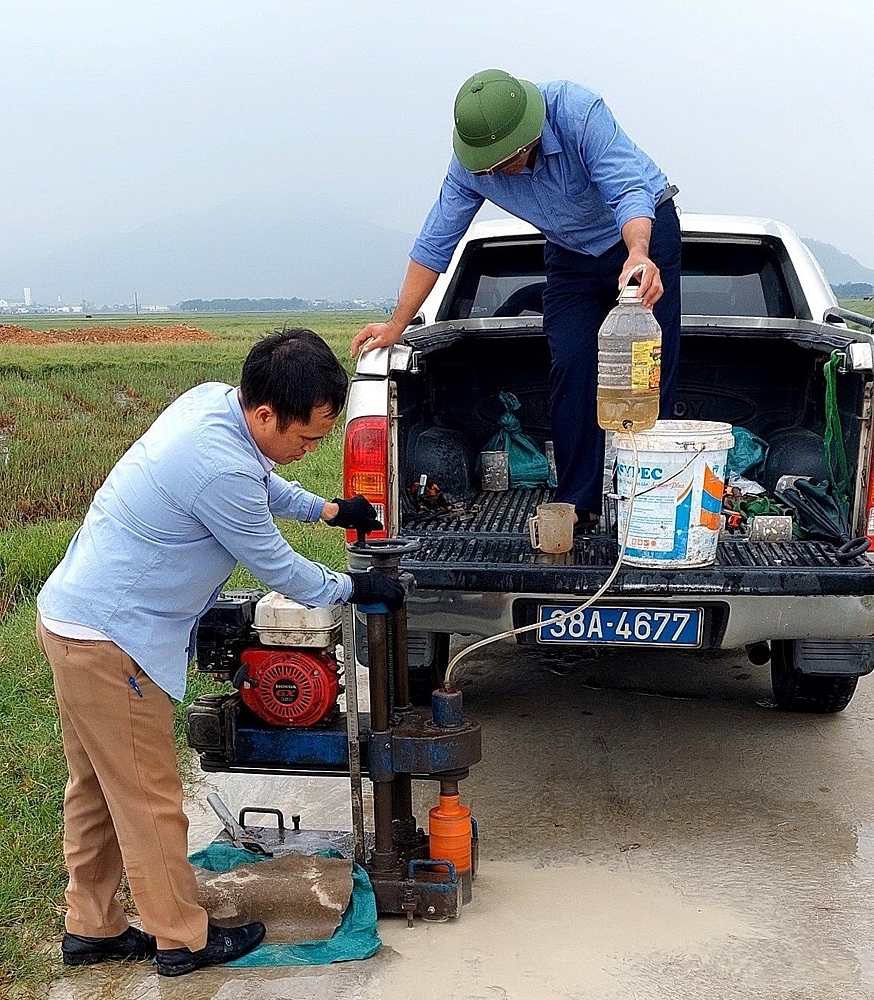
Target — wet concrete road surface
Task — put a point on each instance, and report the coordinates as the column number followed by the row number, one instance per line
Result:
column 650, row 828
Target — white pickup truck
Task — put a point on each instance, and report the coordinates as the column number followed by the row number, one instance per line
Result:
column 759, row 324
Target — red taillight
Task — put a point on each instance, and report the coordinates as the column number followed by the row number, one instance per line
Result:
column 365, row 466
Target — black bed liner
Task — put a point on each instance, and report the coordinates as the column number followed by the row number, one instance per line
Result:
column 486, row 549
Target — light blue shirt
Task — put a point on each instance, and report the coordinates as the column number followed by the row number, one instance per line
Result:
column 587, row 181
column 188, row 501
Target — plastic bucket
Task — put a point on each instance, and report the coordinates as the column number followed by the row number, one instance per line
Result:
column 680, row 483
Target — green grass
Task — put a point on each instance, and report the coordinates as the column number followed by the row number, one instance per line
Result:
column 32, row 778
column 863, row 306
column 67, row 413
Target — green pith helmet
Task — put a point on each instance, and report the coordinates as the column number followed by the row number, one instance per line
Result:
column 495, row 114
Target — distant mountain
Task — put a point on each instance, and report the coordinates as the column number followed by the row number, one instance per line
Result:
column 854, row 290
column 839, row 267
column 247, row 248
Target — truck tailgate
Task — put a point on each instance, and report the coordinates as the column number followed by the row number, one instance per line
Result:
column 486, row 549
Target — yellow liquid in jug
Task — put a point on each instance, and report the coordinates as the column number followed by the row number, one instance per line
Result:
column 618, row 406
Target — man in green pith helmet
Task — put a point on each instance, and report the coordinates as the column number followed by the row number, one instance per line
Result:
column 553, row 155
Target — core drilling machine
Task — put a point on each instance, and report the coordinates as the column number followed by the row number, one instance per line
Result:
column 284, row 718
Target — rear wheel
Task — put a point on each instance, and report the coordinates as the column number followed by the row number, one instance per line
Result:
column 799, row 692
column 425, row 677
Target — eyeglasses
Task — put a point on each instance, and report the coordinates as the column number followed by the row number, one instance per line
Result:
column 508, row 160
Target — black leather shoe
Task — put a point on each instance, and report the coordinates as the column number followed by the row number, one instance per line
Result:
column 133, row 945
column 587, row 522
column 223, row 944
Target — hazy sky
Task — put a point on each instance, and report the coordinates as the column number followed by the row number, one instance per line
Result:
column 116, row 116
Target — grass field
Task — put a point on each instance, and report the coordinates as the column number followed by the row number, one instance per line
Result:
column 67, row 412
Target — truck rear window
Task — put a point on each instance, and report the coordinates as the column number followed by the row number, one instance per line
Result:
column 506, row 278
column 727, row 279
column 497, row 278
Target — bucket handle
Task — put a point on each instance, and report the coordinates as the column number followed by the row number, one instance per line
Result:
column 679, row 472
column 663, row 482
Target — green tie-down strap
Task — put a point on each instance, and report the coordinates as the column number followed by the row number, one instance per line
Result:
column 833, row 438
column 761, row 506
column 356, row 938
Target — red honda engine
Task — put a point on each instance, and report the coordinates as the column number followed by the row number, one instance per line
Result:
column 289, row 687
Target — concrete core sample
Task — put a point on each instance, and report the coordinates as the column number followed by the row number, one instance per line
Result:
column 298, row 897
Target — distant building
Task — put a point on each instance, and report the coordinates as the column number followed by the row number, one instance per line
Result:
column 4, row 305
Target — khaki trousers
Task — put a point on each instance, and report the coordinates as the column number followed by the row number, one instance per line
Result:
column 123, row 800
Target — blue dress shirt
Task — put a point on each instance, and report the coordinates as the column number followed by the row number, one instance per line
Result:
column 587, row 181
column 187, row 501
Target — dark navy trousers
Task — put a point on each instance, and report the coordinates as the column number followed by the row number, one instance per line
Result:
column 580, row 291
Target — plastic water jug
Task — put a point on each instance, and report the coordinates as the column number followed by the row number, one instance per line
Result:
column 629, row 363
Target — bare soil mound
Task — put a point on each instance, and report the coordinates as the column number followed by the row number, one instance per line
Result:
column 10, row 333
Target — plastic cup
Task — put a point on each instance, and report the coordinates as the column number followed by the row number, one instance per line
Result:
column 551, row 529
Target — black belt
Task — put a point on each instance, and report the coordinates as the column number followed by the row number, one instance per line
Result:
column 669, row 192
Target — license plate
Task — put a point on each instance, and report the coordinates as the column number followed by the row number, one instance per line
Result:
column 622, row 626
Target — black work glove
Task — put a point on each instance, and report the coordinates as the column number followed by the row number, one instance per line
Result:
column 358, row 513
column 376, row 588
